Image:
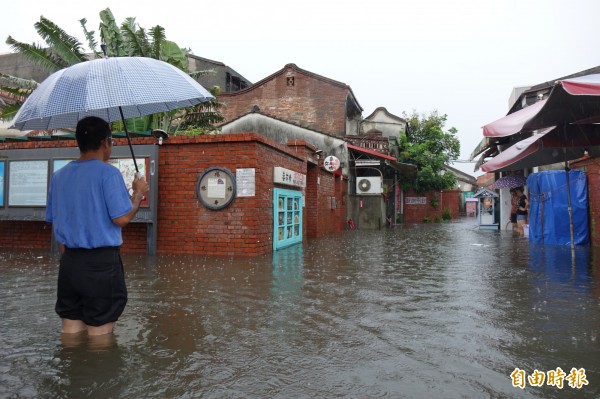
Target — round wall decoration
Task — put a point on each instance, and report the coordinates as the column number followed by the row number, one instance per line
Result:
column 215, row 188
column 331, row 163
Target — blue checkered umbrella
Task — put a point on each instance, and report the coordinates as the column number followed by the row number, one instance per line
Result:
column 109, row 88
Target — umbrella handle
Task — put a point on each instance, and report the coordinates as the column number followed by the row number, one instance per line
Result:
column 137, row 171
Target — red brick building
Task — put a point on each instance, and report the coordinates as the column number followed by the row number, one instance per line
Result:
column 296, row 104
column 293, row 103
column 299, row 97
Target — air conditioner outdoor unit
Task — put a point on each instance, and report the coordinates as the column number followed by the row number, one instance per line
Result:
column 369, row 185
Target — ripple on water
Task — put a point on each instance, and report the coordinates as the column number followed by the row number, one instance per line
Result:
column 439, row 310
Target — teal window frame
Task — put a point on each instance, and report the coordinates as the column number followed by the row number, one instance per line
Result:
column 287, row 218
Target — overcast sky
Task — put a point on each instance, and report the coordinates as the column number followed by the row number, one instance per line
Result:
column 461, row 58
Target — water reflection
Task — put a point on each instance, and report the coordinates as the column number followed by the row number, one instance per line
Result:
column 76, row 364
column 415, row 311
column 560, row 263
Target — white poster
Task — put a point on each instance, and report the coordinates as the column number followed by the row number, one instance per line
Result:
column 245, row 182
column 28, row 183
column 216, row 188
column 127, row 168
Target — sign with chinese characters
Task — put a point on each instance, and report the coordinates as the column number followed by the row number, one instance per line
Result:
column 576, row 378
column 27, row 183
column 288, row 177
column 331, row 163
column 245, row 180
column 415, row 200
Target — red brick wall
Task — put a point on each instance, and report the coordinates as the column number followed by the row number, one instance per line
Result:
column 311, row 215
column 416, row 213
column 17, row 234
column 184, row 225
column 311, row 102
column 243, row 228
column 134, row 238
column 327, row 220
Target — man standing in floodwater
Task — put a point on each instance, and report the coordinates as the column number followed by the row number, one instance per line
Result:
column 88, row 205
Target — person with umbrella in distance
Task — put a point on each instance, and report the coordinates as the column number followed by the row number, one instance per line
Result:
column 514, row 199
column 522, row 210
column 88, row 205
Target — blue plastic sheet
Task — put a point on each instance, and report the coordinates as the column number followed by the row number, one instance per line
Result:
column 548, row 207
column 561, row 265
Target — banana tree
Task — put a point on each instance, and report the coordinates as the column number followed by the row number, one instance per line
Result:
column 62, row 50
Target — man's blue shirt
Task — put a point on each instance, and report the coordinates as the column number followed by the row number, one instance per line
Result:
column 83, row 199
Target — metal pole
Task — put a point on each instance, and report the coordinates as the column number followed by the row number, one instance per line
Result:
column 569, row 208
column 137, row 172
column 396, row 195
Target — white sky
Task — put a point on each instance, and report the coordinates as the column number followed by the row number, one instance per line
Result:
column 461, row 58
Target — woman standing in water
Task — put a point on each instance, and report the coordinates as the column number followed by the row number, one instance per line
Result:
column 522, row 210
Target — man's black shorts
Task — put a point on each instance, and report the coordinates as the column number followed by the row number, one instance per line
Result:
column 91, row 286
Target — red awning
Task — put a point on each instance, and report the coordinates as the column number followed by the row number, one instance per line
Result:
column 575, row 100
column 588, row 85
column 552, row 145
column 405, row 169
column 512, row 123
column 371, row 152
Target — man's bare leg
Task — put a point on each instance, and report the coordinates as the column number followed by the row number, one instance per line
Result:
column 101, row 330
column 73, row 326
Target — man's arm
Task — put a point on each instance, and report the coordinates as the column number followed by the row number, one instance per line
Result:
column 136, row 200
column 140, row 187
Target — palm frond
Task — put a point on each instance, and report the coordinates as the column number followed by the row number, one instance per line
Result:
column 13, row 81
column 36, row 54
column 158, row 36
column 142, row 38
column 129, row 32
column 204, row 115
column 204, row 72
column 18, row 94
column 110, row 34
column 9, row 111
column 67, row 47
column 89, row 36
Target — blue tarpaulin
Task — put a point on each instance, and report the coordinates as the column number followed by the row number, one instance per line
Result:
column 548, row 207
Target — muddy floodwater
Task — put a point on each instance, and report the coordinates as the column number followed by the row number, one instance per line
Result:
column 415, row 311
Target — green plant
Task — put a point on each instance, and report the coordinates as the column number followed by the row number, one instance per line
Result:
column 426, row 219
column 426, row 144
column 434, row 202
column 446, row 214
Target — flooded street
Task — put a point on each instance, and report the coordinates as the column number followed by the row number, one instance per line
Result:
column 417, row 311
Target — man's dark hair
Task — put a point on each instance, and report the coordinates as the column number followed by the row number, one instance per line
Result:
column 90, row 132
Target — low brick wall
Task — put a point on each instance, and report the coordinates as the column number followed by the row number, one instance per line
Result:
column 432, row 208
column 243, row 228
column 184, row 225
